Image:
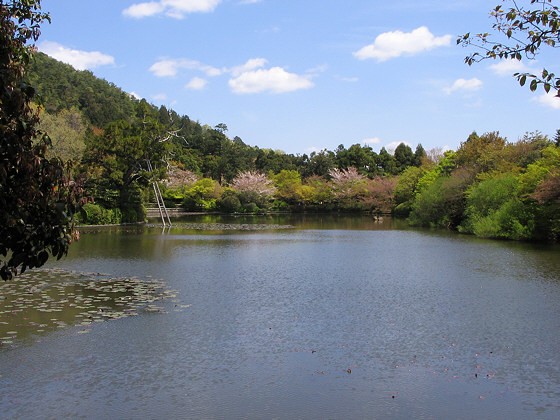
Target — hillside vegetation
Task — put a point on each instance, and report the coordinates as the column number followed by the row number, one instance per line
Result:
column 489, row 187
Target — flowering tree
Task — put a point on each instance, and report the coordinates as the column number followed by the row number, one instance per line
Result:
column 347, row 183
column 251, row 181
column 177, row 178
column 381, row 194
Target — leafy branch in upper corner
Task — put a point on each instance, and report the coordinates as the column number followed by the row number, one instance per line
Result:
column 527, row 29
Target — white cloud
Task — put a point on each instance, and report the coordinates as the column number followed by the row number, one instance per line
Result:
column 350, row 79
column 252, row 64
column 172, row 8
column 391, row 147
column 135, row 95
column 273, row 80
column 160, row 97
column 170, row 67
column 141, row 10
column 508, row 67
column 197, row 83
column 394, row 44
column 319, row 69
column 370, row 141
column 250, row 77
column 80, row 60
column 549, row 100
column 464, row 85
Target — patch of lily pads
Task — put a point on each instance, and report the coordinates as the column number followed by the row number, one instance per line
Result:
column 226, row 226
column 44, row 300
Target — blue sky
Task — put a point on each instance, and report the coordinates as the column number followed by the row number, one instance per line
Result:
column 304, row 75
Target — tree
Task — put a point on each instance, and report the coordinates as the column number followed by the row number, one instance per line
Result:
column 387, row 162
column 548, row 191
column 36, row 199
column 364, row 159
column 419, row 156
column 320, row 163
column 288, row 184
column 481, row 153
column 434, row 155
column 404, row 190
column 380, row 196
column 348, row 184
column 67, row 131
column 323, row 192
column 495, row 211
column 527, row 29
column 254, row 182
column 222, row 128
column 202, row 195
column 404, row 157
column 442, row 203
column 116, row 160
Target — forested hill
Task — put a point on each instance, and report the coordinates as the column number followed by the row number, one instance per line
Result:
column 63, row 87
column 204, row 150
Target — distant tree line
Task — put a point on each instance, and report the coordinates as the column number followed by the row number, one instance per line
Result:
column 489, row 186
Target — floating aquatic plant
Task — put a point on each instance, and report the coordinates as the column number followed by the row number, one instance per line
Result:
column 226, row 226
column 44, row 300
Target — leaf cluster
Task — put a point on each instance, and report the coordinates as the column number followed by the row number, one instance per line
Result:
column 527, row 29
column 37, row 197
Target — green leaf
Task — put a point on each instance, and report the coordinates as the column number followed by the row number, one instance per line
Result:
column 533, row 85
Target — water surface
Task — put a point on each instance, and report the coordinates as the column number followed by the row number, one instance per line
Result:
column 332, row 318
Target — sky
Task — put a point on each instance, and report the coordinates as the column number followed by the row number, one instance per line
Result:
column 306, row 75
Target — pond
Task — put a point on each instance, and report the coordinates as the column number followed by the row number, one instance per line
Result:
column 310, row 317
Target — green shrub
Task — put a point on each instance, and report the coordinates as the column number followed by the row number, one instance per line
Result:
column 201, row 195
column 280, row 205
column 429, row 207
column 130, row 216
column 94, row 214
column 251, row 208
column 228, row 202
column 495, row 211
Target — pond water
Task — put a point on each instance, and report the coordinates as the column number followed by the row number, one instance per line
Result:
column 310, row 317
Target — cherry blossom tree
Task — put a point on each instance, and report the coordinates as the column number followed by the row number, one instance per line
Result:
column 251, row 181
column 347, row 183
column 177, row 177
